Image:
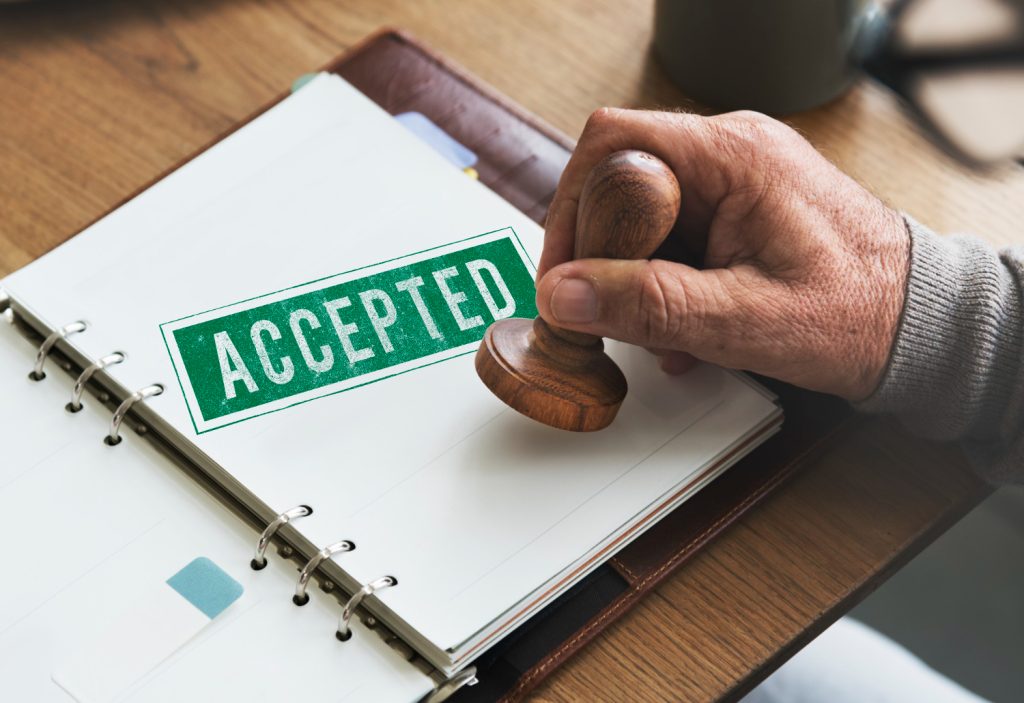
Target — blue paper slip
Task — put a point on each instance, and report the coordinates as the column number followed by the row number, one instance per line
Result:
column 160, row 618
column 303, row 80
column 206, row 586
column 420, row 125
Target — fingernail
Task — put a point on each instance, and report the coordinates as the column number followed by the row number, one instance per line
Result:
column 574, row 301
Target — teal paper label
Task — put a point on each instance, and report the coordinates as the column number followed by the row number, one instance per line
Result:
column 206, row 586
column 334, row 334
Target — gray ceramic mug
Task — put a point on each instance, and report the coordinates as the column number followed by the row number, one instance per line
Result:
column 776, row 56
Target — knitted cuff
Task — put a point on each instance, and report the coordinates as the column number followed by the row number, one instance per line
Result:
column 956, row 362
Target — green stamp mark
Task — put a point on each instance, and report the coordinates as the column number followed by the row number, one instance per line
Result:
column 337, row 333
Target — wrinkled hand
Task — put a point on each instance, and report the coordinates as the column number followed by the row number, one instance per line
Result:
column 804, row 271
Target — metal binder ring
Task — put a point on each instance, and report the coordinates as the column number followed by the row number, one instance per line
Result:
column 344, row 633
column 259, row 561
column 76, row 395
column 44, row 348
column 114, row 437
column 300, row 597
column 466, row 677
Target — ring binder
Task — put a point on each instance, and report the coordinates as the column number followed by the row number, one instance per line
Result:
column 344, row 633
column 113, row 438
column 76, row 395
column 259, row 561
column 300, row 597
column 44, row 348
column 466, row 677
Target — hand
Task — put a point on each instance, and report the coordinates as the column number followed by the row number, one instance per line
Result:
column 804, row 271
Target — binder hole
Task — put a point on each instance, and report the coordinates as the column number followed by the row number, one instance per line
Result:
column 300, row 600
column 72, row 408
column 258, row 566
column 394, row 581
column 309, row 510
column 37, row 376
column 343, row 636
column 111, row 441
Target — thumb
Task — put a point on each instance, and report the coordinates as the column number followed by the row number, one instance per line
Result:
column 658, row 304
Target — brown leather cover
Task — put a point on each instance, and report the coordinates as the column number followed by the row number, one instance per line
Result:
column 521, row 159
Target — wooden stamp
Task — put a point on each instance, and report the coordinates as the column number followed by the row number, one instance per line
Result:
column 629, row 204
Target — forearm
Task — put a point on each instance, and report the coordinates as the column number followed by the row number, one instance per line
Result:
column 957, row 364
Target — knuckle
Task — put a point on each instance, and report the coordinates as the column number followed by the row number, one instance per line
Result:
column 757, row 124
column 752, row 117
column 749, row 132
column 767, row 151
column 600, row 120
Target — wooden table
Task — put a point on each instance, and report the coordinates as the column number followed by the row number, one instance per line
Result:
column 98, row 97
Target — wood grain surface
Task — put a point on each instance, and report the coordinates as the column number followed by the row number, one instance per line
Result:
column 98, row 97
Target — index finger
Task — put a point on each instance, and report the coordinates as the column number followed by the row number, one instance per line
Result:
column 678, row 139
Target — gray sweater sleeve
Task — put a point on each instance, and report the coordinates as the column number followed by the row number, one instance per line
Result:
column 956, row 369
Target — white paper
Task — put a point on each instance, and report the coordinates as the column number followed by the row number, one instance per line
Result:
column 136, row 642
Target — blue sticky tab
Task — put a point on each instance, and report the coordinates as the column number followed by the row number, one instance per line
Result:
column 302, row 80
column 206, row 586
column 420, row 125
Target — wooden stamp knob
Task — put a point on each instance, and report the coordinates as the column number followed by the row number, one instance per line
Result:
column 628, row 205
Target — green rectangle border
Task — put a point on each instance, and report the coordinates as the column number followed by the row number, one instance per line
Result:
column 181, row 386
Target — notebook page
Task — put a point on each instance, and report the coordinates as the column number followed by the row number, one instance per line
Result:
column 353, row 192
column 75, row 517
column 513, row 503
column 98, row 524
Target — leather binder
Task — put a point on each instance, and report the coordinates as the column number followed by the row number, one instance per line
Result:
column 521, row 158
